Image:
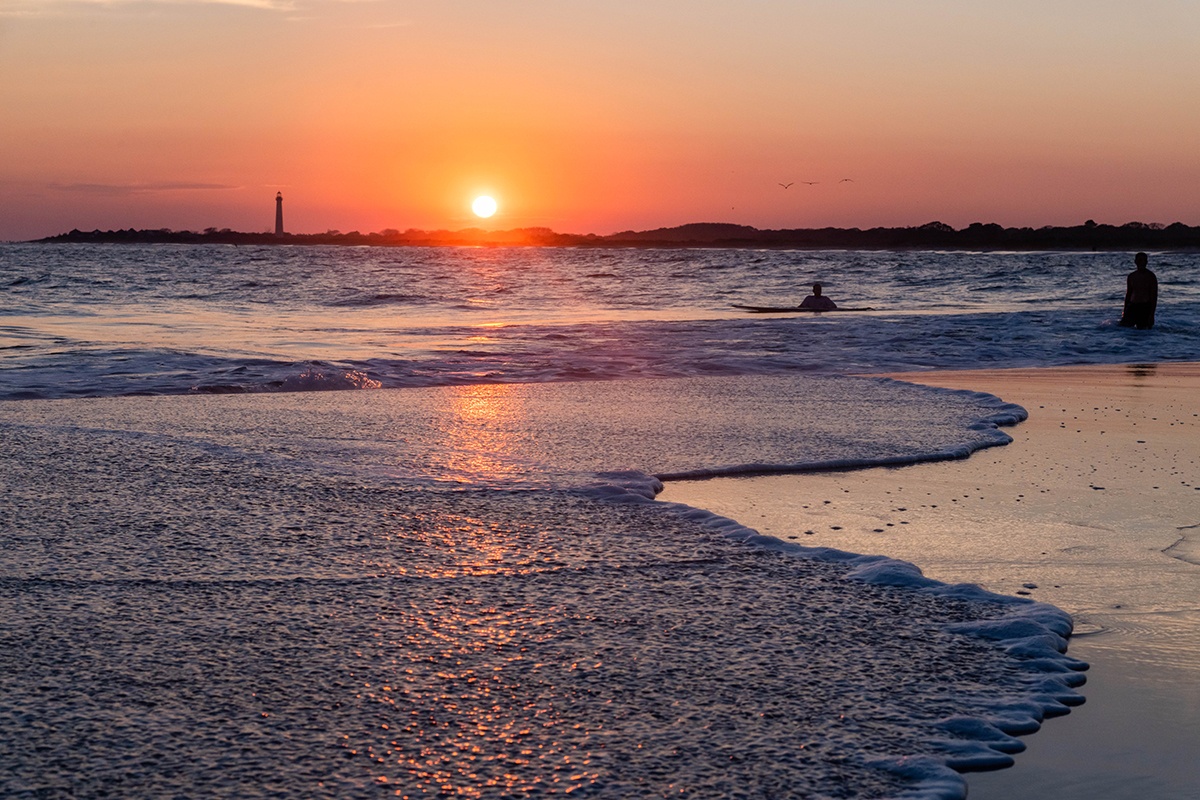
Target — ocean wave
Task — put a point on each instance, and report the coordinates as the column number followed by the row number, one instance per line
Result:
column 381, row 299
column 312, row 380
column 539, row 352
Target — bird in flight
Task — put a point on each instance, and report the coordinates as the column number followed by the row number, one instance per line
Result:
column 786, row 185
column 811, row 183
column 846, row 180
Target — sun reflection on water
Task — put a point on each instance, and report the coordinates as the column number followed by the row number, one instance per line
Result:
column 467, row 711
column 463, row 670
column 478, row 430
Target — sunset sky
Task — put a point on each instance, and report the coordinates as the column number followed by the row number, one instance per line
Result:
column 587, row 116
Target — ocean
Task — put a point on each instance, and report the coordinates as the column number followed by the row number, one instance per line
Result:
column 365, row 522
column 97, row 321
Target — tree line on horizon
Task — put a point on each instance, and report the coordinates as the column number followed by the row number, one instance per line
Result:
column 933, row 235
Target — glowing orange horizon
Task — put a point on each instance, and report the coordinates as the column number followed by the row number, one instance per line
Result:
column 187, row 115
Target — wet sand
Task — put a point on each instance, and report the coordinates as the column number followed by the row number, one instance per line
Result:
column 1095, row 508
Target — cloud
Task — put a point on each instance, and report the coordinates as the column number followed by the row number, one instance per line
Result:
column 140, row 188
column 46, row 8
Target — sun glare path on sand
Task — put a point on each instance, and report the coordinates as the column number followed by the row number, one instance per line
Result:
column 484, row 206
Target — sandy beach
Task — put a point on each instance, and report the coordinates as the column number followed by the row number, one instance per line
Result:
column 1095, row 508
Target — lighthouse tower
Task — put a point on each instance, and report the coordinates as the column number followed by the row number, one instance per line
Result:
column 279, row 213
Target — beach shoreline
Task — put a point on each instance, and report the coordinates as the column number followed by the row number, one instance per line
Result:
column 1092, row 508
column 322, row 576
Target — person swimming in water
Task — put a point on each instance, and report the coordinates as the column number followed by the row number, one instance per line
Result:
column 1141, row 296
column 817, row 301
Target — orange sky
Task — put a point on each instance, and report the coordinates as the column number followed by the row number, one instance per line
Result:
column 589, row 116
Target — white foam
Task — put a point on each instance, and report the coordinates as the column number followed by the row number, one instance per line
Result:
column 987, row 432
column 315, row 379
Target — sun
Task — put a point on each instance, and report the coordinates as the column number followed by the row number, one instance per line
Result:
column 484, row 206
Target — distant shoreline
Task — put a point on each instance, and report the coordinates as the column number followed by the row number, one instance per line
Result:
column 931, row 236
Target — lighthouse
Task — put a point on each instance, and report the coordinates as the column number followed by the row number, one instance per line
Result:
column 279, row 213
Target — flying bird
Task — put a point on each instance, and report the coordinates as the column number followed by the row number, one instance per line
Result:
column 786, row 185
column 811, row 183
column 846, row 180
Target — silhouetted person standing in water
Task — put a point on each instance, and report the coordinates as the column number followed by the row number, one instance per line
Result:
column 1141, row 296
column 818, row 302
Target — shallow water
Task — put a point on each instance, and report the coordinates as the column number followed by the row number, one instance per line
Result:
column 323, row 594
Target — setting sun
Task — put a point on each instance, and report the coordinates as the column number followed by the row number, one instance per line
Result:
column 484, row 206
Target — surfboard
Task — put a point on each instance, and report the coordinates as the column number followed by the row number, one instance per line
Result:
column 793, row 309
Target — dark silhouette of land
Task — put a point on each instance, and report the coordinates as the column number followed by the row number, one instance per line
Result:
column 931, row 236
